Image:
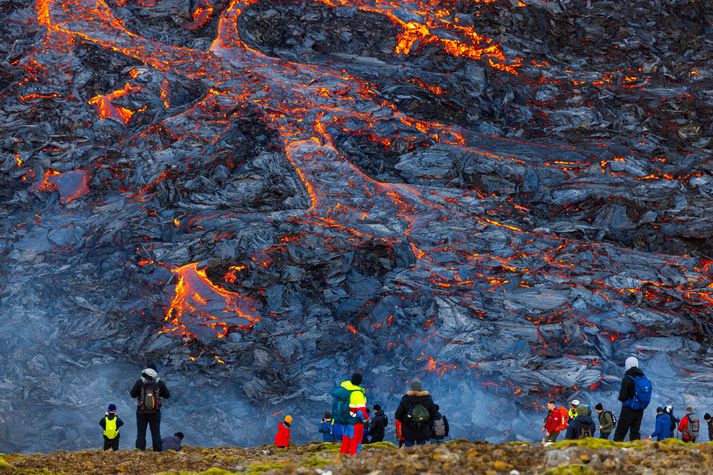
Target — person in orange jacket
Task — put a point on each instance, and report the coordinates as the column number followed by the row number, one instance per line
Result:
column 282, row 438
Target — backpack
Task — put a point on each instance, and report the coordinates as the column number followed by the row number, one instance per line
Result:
column 149, row 400
column 419, row 415
column 564, row 415
column 642, row 393
column 586, row 432
column 613, row 417
column 438, row 427
column 693, row 427
column 340, row 406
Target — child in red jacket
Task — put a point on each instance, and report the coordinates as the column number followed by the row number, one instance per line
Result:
column 282, row 438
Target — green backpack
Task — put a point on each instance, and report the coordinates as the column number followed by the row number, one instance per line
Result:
column 419, row 415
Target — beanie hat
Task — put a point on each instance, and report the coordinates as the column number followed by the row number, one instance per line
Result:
column 659, row 409
column 575, row 402
column 416, row 385
column 179, row 435
column 599, row 407
column 288, row 419
column 356, row 379
column 111, row 408
column 631, row 362
column 707, row 416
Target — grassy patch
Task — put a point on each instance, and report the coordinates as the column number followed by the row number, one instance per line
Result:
column 378, row 445
column 264, row 467
column 594, row 443
column 576, row 469
column 317, row 462
column 4, row 466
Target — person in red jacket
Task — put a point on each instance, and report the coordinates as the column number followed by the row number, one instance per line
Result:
column 689, row 426
column 553, row 422
column 282, row 438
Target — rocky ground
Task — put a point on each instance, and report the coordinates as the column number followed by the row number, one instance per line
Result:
column 460, row 456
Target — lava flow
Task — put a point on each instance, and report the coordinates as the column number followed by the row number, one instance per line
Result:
column 476, row 266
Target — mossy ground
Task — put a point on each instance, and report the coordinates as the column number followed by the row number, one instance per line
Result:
column 587, row 457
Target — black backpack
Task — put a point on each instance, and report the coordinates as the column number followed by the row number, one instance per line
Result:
column 613, row 417
column 149, row 400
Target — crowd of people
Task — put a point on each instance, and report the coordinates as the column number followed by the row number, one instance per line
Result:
column 351, row 423
column 418, row 419
column 635, row 396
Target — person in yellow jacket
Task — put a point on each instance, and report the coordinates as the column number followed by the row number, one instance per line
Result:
column 573, row 406
column 111, row 423
column 352, row 429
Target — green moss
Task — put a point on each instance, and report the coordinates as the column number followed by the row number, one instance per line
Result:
column 317, row 462
column 519, row 442
column 593, row 443
column 4, row 466
column 675, row 442
column 264, row 467
column 378, row 445
column 576, row 469
column 321, row 447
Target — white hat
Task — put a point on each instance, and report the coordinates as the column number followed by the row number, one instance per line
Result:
column 575, row 402
column 631, row 362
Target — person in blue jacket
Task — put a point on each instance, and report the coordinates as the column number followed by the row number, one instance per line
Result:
column 663, row 425
column 326, row 428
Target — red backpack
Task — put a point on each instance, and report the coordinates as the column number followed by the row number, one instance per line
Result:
column 564, row 417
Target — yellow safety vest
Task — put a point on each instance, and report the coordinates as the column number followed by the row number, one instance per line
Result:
column 110, row 430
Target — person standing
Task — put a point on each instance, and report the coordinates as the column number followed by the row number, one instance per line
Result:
column 572, row 414
column 326, row 427
column 439, row 427
column 282, row 438
column 709, row 420
column 553, row 422
column 149, row 390
column 635, row 396
column 582, row 427
column 349, row 412
column 689, row 426
column 607, row 421
column 111, row 423
column 416, row 411
column 663, row 426
column 378, row 424
column 366, row 432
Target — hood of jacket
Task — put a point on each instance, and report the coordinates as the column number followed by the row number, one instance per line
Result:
column 411, row 394
column 349, row 386
column 634, row 372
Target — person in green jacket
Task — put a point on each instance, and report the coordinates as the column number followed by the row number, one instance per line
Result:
column 606, row 421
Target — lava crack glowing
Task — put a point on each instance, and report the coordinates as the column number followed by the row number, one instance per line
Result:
column 447, row 233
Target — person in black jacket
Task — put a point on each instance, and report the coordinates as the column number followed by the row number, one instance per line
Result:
column 629, row 419
column 378, row 424
column 148, row 391
column 439, row 427
column 414, row 405
column 581, row 425
column 709, row 421
column 172, row 442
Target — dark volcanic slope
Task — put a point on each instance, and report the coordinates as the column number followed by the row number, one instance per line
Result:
column 261, row 196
